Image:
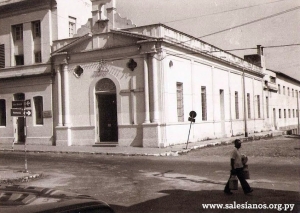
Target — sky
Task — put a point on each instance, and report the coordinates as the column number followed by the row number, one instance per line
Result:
column 229, row 25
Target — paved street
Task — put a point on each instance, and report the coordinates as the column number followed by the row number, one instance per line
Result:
column 170, row 184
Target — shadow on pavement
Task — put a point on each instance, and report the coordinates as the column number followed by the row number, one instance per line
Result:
column 181, row 201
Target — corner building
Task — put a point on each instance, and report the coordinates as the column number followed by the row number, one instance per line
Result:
column 135, row 86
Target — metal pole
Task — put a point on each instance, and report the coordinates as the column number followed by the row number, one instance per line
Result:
column 298, row 113
column 245, row 113
column 25, row 149
column 188, row 135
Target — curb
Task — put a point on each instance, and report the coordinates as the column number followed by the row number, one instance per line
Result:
column 20, row 179
column 164, row 154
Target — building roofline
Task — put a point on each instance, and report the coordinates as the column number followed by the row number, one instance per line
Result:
column 284, row 75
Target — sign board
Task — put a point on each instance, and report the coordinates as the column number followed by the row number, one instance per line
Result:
column 17, row 104
column 193, row 114
column 27, row 112
column 47, row 114
column 17, row 112
column 28, row 103
column 20, row 112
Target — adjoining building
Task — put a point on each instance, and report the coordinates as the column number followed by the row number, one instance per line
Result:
column 27, row 31
column 113, row 82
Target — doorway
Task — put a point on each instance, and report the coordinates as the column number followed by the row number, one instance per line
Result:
column 108, row 122
column 107, row 115
column 19, row 125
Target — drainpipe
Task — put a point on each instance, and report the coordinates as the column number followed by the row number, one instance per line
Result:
column 245, row 113
column 298, row 114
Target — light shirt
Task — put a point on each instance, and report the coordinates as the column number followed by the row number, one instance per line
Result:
column 236, row 155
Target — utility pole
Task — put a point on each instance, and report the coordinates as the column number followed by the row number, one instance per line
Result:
column 245, row 113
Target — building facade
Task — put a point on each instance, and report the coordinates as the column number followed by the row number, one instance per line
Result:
column 28, row 29
column 108, row 80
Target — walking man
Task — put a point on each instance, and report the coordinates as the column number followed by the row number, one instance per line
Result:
column 237, row 169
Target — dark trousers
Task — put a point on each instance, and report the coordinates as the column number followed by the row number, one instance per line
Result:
column 244, row 183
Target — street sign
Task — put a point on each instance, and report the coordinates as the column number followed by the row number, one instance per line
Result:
column 193, row 114
column 17, row 112
column 28, row 103
column 20, row 112
column 17, row 104
column 27, row 112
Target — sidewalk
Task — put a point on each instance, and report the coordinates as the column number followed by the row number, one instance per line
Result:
column 7, row 176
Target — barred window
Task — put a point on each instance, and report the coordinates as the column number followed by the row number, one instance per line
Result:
column 2, row 112
column 38, row 57
column 38, row 106
column 248, row 105
column 180, row 107
column 17, row 31
column 72, row 26
column 36, row 29
column 203, row 103
column 237, row 114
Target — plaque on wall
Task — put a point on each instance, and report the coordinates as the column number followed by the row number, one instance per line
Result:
column 47, row 114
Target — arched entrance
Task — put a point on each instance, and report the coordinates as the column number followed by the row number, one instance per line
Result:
column 107, row 110
column 19, row 131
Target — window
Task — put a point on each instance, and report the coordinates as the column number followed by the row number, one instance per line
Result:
column 289, row 113
column 72, row 26
column 278, row 88
column 203, row 103
column 19, row 59
column 297, row 114
column 267, row 106
column 180, row 109
column 38, row 106
column 236, row 96
column 283, row 90
column 248, row 105
column 272, row 79
column 36, row 29
column 284, row 113
column 38, row 57
column 288, row 91
column 279, row 113
column 293, row 113
column 2, row 56
column 258, row 106
column 17, row 32
column 292, row 92
column 2, row 113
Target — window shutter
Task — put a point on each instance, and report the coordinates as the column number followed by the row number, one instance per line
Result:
column 2, row 56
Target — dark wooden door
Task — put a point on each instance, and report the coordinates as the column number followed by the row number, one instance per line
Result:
column 108, row 121
column 21, row 130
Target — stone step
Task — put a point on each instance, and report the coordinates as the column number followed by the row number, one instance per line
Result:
column 106, row 144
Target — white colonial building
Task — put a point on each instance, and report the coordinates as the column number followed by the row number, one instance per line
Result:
column 112, row 81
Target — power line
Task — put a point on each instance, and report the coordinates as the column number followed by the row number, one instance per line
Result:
column 251, row 22
column 225, row 11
